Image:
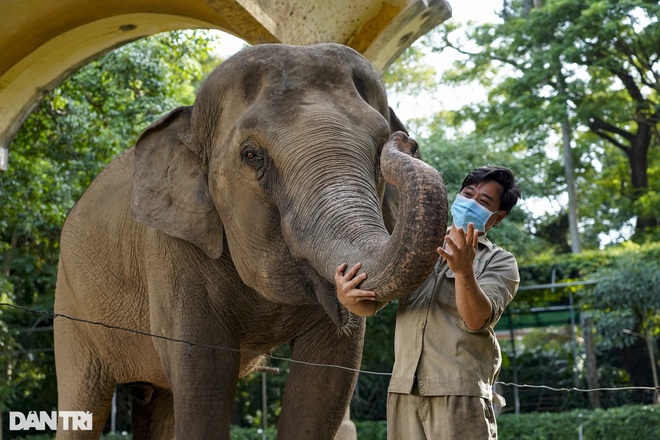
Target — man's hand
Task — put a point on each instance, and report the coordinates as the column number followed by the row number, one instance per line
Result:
column 361, row 302
column 461, row 251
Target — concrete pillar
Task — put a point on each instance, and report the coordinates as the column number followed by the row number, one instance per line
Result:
column 347, row 430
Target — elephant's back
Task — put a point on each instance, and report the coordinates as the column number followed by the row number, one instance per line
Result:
column 98, row 219
column 108, row 191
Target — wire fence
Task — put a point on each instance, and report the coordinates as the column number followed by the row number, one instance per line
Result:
column 53, row 316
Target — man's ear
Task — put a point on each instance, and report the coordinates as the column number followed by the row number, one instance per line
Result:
column 500, row 216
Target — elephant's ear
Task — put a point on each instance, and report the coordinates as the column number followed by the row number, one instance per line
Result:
column 397, row 125
column 170, row 185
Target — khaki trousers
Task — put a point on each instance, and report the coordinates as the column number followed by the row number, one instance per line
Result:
column 415, row 417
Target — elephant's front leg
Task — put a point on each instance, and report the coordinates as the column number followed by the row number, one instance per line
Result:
column 316, row 397
column 203, row 382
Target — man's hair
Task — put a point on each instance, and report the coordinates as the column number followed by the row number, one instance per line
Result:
column 501, row 175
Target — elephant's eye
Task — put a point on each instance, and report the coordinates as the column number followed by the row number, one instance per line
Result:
column 252, row 155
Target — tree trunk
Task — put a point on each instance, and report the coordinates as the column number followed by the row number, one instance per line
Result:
column 637, row 150
column 569, row 170
column 650, row 346
column 635, row 362
column 592, row 368
column 638, row 159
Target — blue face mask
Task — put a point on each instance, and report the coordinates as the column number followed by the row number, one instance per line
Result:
column 465, row 211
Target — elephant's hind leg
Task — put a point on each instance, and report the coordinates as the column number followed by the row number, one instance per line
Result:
column 152, row 412
column 83, row 383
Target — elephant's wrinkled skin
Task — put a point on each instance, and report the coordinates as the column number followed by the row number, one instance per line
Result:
column 223, row 226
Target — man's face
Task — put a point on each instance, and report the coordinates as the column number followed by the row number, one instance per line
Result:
column 488, row 193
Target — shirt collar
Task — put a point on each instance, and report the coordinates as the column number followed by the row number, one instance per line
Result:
column 485, row 241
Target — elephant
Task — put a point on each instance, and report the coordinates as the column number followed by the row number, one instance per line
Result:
column 223, row 227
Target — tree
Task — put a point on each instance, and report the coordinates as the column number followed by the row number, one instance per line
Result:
column 454, row 156
column 625, row 308
column 590, row 69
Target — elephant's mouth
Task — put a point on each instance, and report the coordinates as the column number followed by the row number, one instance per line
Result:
column 317, row 289
column 293, row 281
column 326, row 295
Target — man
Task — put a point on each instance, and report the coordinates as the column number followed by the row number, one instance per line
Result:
column 446, row 355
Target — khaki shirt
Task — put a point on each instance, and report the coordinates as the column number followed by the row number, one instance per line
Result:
column 432, row 344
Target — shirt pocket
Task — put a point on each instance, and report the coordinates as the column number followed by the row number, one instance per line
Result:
column 447, row 294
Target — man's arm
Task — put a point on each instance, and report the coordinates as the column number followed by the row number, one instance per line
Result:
column 473, row 305
column 361, row 302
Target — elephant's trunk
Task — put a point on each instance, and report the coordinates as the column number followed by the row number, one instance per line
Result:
column 349, row 228
column 408, row 256
column 345, row 224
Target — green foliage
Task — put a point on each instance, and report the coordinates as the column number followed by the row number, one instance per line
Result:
column 542, row 357
column 581, row 266
column 539, row 426
column 371, row 430
column 370, row 397
column 552, row 357
column 623, row 296
column 624, row 423
column 252, row 433
column 632, row 422
column 409, row 74
column 626, row 299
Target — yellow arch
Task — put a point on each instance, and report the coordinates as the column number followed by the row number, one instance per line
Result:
column 44, row 41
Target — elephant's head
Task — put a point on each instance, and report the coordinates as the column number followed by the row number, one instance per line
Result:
column 284, row 158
